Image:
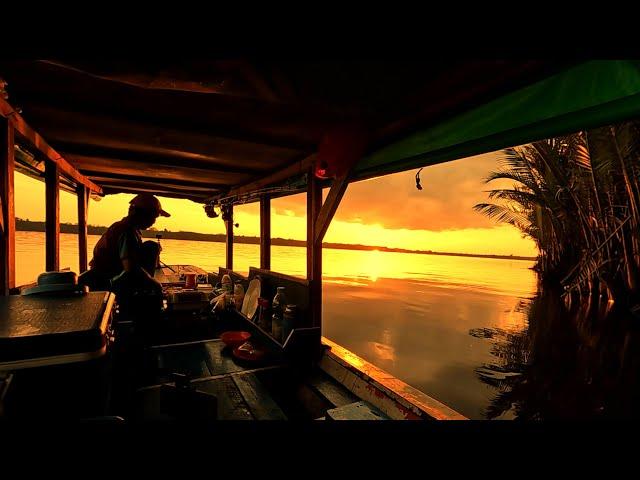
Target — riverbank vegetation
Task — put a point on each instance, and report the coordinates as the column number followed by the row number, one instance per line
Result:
column 578, row 198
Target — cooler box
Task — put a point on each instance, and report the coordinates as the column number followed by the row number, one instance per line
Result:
column 57, row 348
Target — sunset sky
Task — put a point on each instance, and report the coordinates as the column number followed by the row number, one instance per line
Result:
column 387, row 211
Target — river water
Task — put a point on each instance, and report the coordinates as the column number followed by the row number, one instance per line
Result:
column 416, row 316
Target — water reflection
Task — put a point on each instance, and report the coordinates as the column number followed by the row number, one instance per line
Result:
column 459, row 329
column 581, row 362
column 384, row 350
column 409, row 314
column 362, row 267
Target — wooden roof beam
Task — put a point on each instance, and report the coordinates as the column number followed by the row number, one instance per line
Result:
column 154, row 191
column 160, row 158
column 34, row 139
column 117, row 133
column 150, row 155
column 150, row 170
column 222, row 78
column 80, row 126
column 163, row 192
column 117, row 182
column 297, row 168
column 112, row 177
column 149, row 81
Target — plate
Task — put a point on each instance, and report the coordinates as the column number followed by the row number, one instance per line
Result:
column 254, row 355
column 250, row 303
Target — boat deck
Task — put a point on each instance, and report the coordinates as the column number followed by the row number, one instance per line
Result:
column 187, row 345
column 271, row 391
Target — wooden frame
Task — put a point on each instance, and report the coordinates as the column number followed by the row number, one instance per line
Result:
column 314, row 248
column 265, row 232
column 297, row 168
column 33, row 138
column 370, row 383
column 7, row 209
column 83, row 210
column 330, row 206
column 319, row 216
column 229, row 244
column 55, row 167
column 52, row 220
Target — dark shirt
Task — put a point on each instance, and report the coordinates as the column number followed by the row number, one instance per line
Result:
column 121, row 240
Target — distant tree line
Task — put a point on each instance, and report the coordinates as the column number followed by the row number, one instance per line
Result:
column 29, row 226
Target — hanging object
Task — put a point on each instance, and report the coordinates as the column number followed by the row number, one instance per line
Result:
column 339, row 150
column 210, row 210
column 418, row 186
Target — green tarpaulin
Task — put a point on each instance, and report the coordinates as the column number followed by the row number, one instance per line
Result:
column 591, row 94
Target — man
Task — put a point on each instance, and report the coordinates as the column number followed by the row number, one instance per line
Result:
column 121, row 262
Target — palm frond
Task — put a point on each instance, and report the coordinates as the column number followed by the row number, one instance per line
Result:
column 502, row 213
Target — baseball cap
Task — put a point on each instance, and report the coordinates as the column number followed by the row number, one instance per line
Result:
column 146, row 201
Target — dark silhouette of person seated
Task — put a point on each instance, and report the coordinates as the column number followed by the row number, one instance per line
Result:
column 121, row 262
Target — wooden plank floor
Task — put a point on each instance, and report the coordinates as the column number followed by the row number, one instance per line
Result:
column 356, row 411
column 336, row 394
column 231, row 404
column 195, row 359
column 220, row 360
column 240, row 396
column 268, row 392
column 240, row 393
column 257, row 398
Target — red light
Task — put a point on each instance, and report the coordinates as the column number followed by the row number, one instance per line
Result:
column 321, row 170
column 340, row 148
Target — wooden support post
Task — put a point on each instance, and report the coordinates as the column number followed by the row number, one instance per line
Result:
column 229, row 248
column 7, row 209
column 314, row 249
column 319, row 218
column 265, row 232
column 52, row 220
column 83, row 210
column 328, row 210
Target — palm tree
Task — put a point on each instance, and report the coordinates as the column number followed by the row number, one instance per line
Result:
column 578, row 197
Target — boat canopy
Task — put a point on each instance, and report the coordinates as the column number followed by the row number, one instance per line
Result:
column 207, row 130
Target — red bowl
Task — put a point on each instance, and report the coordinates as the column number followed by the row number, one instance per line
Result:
column 235, row 339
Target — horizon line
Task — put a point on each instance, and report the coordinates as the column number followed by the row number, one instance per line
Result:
column 336, row 245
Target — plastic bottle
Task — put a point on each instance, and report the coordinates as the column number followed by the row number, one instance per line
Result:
column 227, row 284
column 288, row 321
column 277, row 307
column 264, row 319
column 238, row 295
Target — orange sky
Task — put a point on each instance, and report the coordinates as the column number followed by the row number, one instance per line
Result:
column 387, row 211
